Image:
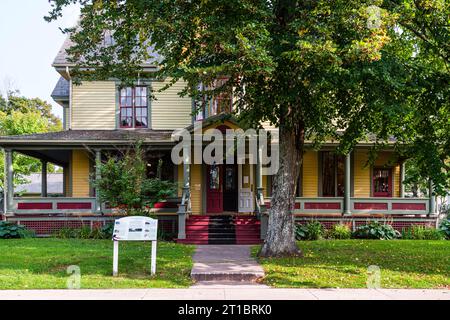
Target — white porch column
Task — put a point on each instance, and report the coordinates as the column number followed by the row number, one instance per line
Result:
column 98, row 161
column 402, row 180
column 8, row 183
column 432, row 200
column 43, row 178
column 347, row 184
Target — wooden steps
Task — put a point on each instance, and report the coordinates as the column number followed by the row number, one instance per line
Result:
column 222, row 229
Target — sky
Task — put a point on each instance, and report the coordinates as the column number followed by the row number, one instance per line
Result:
column 28, row 45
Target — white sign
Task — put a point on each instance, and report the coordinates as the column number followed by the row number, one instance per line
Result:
column 134, row 229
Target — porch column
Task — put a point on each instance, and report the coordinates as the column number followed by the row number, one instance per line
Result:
column 432, row 200
column 98, row 161
column 43, row 178
column 8, row 191
column 347, row 185
column 402, row 180
column 259, row 186
column 183, row 208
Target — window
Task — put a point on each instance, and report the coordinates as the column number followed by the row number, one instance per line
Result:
column 133, row 107
column 382, row 182
column 332, row 174
column 205, row 107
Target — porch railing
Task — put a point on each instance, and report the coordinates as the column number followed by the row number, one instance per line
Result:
column 53, row 205
column 390, row 206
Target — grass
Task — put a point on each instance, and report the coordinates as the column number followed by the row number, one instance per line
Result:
column 42, row 264
column 344, row 263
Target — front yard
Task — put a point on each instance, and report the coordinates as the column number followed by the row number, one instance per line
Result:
column 42, row 264
column 344, row 263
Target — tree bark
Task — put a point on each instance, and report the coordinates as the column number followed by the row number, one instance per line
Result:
column 280, row 238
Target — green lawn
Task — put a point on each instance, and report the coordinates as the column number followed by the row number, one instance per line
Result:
column 344, row 263
column 42, row 264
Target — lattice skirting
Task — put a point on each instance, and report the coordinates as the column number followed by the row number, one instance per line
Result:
column 46, row 226
column 398, row 223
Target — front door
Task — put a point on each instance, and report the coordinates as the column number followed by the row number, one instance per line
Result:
column 245, row 186
column 382, row 182
column 214, row 189
column 230, row 188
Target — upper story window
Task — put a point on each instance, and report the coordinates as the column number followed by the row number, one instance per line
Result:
column 133, row 107
column 222, row 102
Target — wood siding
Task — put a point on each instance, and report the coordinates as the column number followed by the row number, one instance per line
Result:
column 310, row 174
column 170, row 111
column 94, row 105
column 196, row 188
column 362, row 174
column 80, row 173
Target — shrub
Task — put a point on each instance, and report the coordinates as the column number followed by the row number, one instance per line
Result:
column 444, row 227
column 85, row 232
column 339, row 231
column 376, row 230
column 10, row 230
column 313, row 230
column 107, row 230
column 422, row 233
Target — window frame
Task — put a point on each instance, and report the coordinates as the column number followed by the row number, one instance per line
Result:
column 390, row 192
column 133, row 108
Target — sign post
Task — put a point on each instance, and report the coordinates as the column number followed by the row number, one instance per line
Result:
column 134, row 228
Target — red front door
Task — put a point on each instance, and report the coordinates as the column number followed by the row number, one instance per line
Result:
column 214, row 190
column 382, row 182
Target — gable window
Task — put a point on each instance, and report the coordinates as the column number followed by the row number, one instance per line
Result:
column 332, row 174
column 382, row 182
column 133, row 107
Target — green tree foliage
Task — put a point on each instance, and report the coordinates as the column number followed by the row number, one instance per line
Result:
column 318, row 70
column 124, row 184
column 16, row 103
column 19, row 116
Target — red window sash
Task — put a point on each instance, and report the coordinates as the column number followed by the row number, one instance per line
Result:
column 133, row 109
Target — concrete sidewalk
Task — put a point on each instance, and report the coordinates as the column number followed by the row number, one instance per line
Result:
column 227, row 292
column 225, row 263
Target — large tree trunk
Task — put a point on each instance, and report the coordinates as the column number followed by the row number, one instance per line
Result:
column 280, row 238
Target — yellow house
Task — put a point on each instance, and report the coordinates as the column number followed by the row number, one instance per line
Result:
column 103, row 116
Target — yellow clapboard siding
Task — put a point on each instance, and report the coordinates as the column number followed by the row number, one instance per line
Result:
column 396, row 180
column 362, row 174
column 80, row 173
column 264, row 184
column 170, row 111
column 196, row 188
column 94, row 105
column 310, row 174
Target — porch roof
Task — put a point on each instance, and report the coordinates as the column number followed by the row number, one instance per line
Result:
column 89, row 137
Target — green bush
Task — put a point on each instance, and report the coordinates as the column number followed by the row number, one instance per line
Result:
column 313, row 230
column 10, row 230
column 339, row 231
column 107, row 230
column 444, row 227
column 85, row 232
column 376, row 230
column 422, row 233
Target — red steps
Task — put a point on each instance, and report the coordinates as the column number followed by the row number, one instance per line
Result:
column 204, row 229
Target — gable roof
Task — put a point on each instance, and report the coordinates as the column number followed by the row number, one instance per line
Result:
column 62, row 57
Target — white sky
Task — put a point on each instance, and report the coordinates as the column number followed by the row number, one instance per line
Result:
column 28, row 45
